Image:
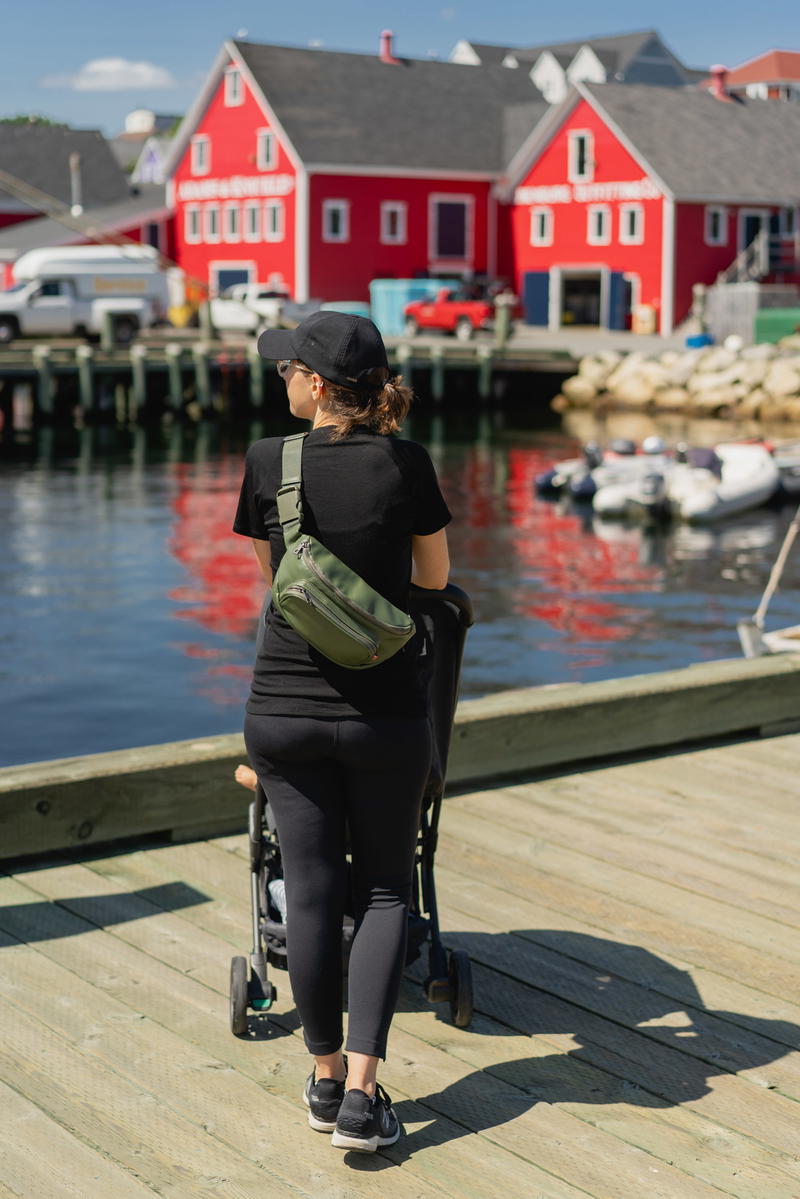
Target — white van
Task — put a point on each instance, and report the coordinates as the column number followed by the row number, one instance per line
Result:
column 70, row 289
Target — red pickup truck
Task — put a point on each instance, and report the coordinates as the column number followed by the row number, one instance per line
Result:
column 453, row 310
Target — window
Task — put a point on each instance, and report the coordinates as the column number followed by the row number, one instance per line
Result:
column 541, row 226
column 393, row 223
column 265, row 150
column 716, row 227
column 231, row 231
column 201, row 155
column 212, row 222
column 252, row 221
column 273, row 220
column 234, row 92
column 335, row 220
column 631, row 224
column 451, row 229
column 580, row 168
column 191, row 224
column 598, row 225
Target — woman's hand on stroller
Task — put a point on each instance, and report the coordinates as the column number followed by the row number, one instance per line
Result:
column 246, row 776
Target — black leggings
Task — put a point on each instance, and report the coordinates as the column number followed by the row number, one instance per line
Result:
column 319, row 773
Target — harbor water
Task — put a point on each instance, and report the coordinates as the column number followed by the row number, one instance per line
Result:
column 128, row 609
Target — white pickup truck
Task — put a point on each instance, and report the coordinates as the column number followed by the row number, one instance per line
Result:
column 246, row 307
column 76, row 289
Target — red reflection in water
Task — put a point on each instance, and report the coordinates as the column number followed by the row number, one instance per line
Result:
column 226, row 591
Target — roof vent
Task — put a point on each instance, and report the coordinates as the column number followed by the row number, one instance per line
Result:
column 719, row 82
column 386, row 48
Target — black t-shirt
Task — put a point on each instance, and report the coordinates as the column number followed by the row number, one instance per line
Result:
column 364, row 496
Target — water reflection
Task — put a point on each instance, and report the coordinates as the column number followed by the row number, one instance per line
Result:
column 129, row 609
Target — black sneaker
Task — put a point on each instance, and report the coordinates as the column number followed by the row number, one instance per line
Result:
column 365, row 1123
column 323, row 1100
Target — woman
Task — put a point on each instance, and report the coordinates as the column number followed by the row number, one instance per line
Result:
column 334, row 747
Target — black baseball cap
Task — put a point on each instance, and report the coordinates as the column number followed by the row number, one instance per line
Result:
column 343, row 348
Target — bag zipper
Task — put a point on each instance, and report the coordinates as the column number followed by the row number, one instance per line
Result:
column 333, row 617
column 303, row 550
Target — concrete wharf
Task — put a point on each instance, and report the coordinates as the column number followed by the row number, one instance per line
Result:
column 632, row 925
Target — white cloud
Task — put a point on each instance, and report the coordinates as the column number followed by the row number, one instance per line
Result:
column 113, row 75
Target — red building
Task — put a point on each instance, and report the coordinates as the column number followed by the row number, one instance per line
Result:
column 319, row 171
column 627, row 195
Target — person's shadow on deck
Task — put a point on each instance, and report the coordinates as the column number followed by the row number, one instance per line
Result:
column 615, row 1024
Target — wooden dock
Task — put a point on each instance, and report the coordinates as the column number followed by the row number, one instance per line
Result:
column 633, row 933
column 166, row 374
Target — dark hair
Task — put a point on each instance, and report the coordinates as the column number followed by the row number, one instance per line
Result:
column 382, row 408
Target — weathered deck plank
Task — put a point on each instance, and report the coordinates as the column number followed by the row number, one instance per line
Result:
column 634, row 948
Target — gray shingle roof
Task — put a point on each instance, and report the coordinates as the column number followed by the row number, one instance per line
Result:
column 45, row 231
column 354, row 110
column 490, row 55
column 39, row 155
column 701, row 147
column 620, row 55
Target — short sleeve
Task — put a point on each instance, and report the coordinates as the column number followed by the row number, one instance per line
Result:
column 431, row 512
column 249, row 520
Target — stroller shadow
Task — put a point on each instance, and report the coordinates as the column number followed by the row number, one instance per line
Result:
column 624, row 1027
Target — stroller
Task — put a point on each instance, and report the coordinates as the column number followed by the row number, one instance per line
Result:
column 443, row 618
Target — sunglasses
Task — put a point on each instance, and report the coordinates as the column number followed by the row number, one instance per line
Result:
column 284, row 365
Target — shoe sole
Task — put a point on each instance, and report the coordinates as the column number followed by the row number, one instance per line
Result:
column 343, row 1140
column 314, row 1122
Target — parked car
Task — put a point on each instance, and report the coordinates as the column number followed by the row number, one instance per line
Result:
column 247, row 307
column 460, row 310
column 66, row 290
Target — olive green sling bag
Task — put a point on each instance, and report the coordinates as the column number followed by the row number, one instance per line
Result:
column 328, row 604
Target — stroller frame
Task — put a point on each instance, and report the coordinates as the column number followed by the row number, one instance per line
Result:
column 443, row 618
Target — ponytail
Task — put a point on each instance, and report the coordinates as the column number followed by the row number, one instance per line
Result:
column 383, row 410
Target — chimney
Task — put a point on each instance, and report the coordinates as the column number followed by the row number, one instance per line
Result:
column 75, row 191
column 386, row 48
column 719, row 82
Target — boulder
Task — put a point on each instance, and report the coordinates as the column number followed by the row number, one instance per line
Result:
column 628, row 366
column 579, row 391
column 633, row 392
column 783, row 378
column 791, row 342
column 597, row 367
column 773, row 408
column 760, row 352
column 682, row 367
column 749, row 408
column 753, row 371
column 704, row 381
column 792, row 409
column 559, row 403
column 716, row 400
column 716, row 359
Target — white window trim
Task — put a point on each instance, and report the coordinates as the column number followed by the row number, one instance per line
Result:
column 227, row 234
column 572, row 156
column 592, row 239
column 225, row 264
column 722, row 240
column 329, row 206
column 247, row 233
column 192, row 210
column 231, row 100
column 279, row 233
column 626, row 238
column 545, row 239
column 200, row 140
column 437, row 261
column 266, row 162
column 208, row 236
column 401, row 209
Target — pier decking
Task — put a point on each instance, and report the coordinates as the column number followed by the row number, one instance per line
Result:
column 633, row 933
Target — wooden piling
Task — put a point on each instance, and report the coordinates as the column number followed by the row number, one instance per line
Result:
column 84, row 358
column 437, row 372
column 202, row 375
column 138, row 376
column 44, row 379
column 172, row 352
column 485, row 355
column 256, row 365
column 404, row 355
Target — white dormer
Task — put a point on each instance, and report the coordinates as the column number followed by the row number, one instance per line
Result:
column 587, row 67
column 510, row 60
column 464, row 53
column 548, row 75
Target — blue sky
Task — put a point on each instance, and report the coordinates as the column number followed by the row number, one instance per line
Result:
column 66, row 60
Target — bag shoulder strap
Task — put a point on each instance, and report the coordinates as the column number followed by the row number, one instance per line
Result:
column 290, row 503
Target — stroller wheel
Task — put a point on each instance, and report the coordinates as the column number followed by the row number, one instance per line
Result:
column 240, row 977
column 460, row 978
